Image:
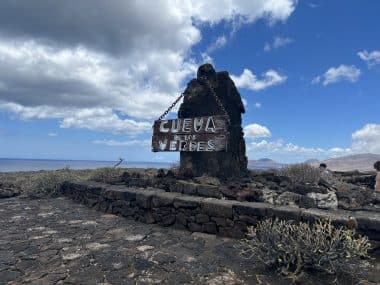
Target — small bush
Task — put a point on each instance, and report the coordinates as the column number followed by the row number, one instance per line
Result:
column 292, row 248
column 301, row 173
column 49, row 183
column 107, row 174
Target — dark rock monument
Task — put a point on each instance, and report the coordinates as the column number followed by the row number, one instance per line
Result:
column 199, row 101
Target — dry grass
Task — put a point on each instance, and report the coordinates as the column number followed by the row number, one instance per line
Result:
column 301, row 173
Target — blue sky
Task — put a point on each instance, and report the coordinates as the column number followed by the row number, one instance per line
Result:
column 76, row 87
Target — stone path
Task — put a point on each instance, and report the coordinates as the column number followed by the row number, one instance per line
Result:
column 56, row 241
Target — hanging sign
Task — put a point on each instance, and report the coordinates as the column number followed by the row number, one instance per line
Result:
column 208, row 133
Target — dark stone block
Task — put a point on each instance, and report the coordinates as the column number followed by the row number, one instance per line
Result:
column 209, row 191
column 168, row 220
column 254, row 209
column 163, row 199
column 219, row 221
column 189, row 202
column 181, row 218
column 201, row 218
column 250, row 220
column 287, row 212
column 144, row 198
column 217, row 208
column 209, row 228
column 194, row 227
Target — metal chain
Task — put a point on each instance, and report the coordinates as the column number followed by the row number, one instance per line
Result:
column 171, row 107
column 213, row 93
column 217, row 99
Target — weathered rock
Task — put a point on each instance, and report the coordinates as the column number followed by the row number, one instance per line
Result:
column 188, row 202
column 207, row 180
column 209, row 191
column 199, row 102
column 209, row 228
column 217, row 207
column 325, row 201
column 269, row 196
column 304, row 189
column 288, row 198
column 8, row 193
column 249, row 194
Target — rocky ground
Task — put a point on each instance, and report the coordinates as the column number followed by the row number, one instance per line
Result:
column 56, row 241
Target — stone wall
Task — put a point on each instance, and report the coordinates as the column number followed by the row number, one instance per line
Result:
column 199, row 214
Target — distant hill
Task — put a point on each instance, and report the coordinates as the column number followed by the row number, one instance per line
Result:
column 264, row 163
column 361, row 162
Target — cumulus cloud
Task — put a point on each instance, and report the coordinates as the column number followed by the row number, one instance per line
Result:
column 371, row 58
column 277, row 43
column 103, row 119
column 254, row 131
column 250, row 81
column 257, row 105
column 364, row 140
column 367, row 139
column 60, row 63
column 336, row 74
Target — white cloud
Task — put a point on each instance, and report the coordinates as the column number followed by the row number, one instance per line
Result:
column 219, row 42
column 119, row 68
column 249, row 80
column 140, row 143
column 245, row 102
column 257, row 105
column 367, row 139
column 277, row 43
column 103, row 119
column 254, row 131
column 371, row 58
column 336, row 74
column 364, row 140
column 52, row 134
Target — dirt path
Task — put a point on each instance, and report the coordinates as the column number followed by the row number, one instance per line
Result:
column 56, row 241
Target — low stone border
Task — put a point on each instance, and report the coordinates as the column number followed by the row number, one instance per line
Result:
column 198, row 214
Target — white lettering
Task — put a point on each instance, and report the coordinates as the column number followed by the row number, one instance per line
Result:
column 192, row 146
column 201, row 146
column 176, row 125
column 163, row 144
column 210, row 145
column 162, row 129
column 173, row 145
column 210, row 125
column 186, row 127
column 198, row 123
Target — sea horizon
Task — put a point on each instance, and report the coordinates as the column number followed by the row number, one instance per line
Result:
column 39, row 164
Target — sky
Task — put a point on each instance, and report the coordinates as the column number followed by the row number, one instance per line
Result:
column 86, row 79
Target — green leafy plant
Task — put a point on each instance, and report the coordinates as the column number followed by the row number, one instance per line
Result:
column 292, row 248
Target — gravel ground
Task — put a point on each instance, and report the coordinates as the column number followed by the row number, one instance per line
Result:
column 56, row 241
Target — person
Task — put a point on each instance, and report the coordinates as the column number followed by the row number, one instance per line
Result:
column 377, row 181
column 325, row 173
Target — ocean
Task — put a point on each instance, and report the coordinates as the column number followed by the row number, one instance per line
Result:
column 12, row 165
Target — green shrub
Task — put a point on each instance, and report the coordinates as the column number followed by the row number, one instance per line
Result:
column 50, row 182
column 107, row 174
column 292, row 248
column 301, row 173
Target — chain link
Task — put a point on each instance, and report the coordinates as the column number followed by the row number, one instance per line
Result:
column 213, row 93
column 171, row 107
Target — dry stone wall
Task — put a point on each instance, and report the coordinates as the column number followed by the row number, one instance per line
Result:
column 199, row 214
